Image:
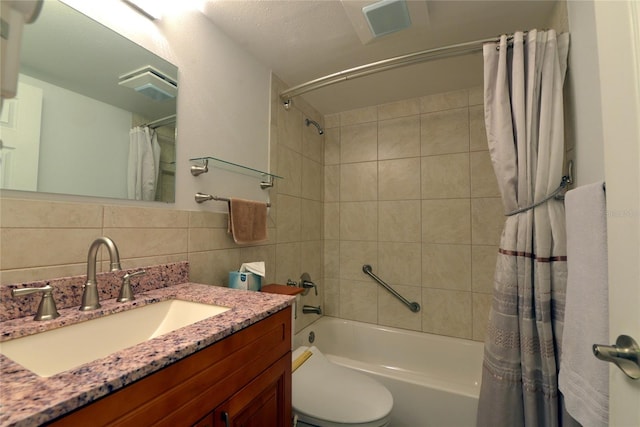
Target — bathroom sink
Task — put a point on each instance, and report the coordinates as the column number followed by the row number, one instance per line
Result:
column 57, row 350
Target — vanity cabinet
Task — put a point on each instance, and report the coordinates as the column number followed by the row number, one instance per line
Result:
column 242, row 380
column 258, row 404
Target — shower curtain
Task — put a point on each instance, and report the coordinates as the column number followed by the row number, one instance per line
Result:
column 523, row 79
column 144, row 163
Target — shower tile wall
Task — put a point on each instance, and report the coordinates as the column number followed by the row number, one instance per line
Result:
column 409, row 188
column 297, row 154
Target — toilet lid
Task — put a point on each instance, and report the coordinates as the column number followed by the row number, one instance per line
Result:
column 326, row 391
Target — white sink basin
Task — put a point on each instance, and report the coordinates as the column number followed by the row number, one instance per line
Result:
column 58, row 350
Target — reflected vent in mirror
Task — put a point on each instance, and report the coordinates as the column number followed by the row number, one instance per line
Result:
column 150, row 82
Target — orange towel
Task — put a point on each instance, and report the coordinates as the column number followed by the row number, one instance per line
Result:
column 247, row 221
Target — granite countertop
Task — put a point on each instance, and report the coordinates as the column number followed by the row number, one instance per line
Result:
column 27, row 399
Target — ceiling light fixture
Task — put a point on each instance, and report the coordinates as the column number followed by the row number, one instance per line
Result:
column 387, row 16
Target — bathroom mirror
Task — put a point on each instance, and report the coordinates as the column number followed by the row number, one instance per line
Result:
column 67, row 130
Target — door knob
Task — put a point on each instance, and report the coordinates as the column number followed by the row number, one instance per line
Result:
column 625, row 353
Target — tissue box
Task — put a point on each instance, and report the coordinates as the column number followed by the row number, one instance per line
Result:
column 244, row 280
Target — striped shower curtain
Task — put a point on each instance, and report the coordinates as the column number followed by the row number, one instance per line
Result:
column 523, row 79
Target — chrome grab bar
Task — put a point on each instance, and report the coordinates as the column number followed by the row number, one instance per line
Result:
column 413, row 306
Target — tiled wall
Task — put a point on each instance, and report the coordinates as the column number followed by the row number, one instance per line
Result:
column 409, row 188
column 296, row 153
column 47, row 239
column 44, row 239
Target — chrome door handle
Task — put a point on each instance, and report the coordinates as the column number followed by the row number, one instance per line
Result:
column 625, row 354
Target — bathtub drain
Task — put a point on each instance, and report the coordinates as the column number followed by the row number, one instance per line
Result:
column 312, row 337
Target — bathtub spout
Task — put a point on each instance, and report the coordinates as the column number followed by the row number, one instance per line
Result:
column 307, row 309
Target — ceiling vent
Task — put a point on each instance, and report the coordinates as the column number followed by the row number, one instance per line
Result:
column 150, row 82
column 387, row 16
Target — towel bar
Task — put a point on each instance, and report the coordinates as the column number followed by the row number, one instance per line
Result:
column 201, row 197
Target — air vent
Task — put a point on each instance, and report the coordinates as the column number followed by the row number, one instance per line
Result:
column 150, row 82
column 387, row 16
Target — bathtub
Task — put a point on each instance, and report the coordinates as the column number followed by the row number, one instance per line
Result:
column 434, row 380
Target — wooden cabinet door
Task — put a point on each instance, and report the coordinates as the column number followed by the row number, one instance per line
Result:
column 264, row 402
column 206, row 421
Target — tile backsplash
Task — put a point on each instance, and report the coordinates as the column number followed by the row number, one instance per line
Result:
column 44, row 239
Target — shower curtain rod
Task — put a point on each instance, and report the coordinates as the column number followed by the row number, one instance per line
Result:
column 161, row 122
column 384, row 65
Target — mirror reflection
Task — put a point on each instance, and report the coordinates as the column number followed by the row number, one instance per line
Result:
column 94, row 114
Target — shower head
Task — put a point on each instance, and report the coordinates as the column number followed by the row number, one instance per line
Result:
column 316, row 124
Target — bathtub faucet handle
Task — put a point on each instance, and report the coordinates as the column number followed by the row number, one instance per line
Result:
column 309, row 285
column 306, row 283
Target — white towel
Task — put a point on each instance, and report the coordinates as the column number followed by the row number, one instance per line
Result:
column 583, row 379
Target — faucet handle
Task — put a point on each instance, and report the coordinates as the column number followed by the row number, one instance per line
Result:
column 292, row 283
column 306, row 283
column 126, row 293
column 47, row 309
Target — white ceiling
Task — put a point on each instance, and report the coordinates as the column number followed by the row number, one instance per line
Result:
column 302, row 40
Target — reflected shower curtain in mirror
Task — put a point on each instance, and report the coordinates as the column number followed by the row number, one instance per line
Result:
column 523, row 79
column 144, row 163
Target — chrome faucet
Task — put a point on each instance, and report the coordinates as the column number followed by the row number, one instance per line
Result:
column 305, row 283
column 90, row 300
column 307, row 309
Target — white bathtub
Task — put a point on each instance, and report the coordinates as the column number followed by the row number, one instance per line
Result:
column 435, row 380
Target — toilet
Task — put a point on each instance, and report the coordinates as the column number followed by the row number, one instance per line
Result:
column 329, row 395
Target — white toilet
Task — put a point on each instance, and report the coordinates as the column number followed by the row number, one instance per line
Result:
column 329, row 395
